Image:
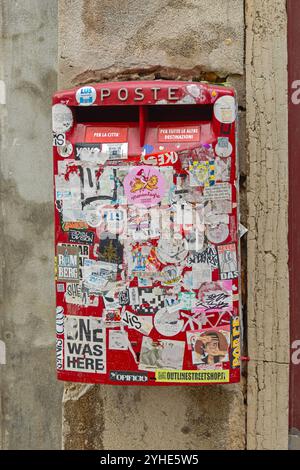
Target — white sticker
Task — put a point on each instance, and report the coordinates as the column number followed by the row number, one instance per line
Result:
column 65, row 150
column 224, row 109
column 217, row 233
column 86, row 96
column 223, row 147
column 59, row 139
column 141, row 323
column 85, row 344
column 118, row 340
column 167, row 322
column 60, row 319
column 62, row 118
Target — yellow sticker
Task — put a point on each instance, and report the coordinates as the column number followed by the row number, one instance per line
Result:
column 196, row 376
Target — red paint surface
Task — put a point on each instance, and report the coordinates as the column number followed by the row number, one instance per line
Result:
column 81, row 132
column 293, row 8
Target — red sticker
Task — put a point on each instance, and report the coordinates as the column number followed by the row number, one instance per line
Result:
column 179, row 134
column 106, row 134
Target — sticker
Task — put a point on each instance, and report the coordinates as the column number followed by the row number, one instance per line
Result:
column 228, row 261
column 62, row 118
column 171, row 251
column 60, row 318
column 202, row 173
column 214, row 297
column 167, row 322
column 208, row 255
column 112, row 317
column 67, row 262
column 170, row 275
column 235, row 360
column 85, row 344
column 217, row 233
column 218, row 191
column 106, row 134
column 150, row 299
column 223, row 148
column 110, row 250
column 166, row 354
column 86, row 96
column 97, row 275
column 142, row 324
column 127, row 376
column 144, row 186
column 191, row 376
column 201, row 273
column 81, row 236
column 209, row 346
column 118, row 340
column 160, row 159
column 59, row 139
column 124, row 297
column 224, row 109
column 187, row 299
column 59, row 353
column 179, row 134
column 65, row 150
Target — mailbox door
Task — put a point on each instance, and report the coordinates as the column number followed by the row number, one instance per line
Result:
column 146, row 231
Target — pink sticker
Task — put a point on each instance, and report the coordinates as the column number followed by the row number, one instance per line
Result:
column 144, row 186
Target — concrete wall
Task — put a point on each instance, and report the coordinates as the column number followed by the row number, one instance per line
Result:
column 30, row 410
column 183, row 39
column 268, row 283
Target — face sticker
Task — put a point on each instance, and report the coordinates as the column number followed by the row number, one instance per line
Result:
column 167, row 322
column 171, row 251
column 62, row 118
column 66, row 150
column 86, row 96
column 209, row 346
column 223, row 148
column 144, row 186
column 224, row 109
column 217, row 233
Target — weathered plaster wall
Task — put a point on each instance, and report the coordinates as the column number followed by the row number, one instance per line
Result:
column 268, row 301
column 183, row 39
column 30, row 409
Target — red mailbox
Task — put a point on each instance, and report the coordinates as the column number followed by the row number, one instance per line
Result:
column 146, row 219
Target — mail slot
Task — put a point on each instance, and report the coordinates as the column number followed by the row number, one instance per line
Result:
column 146, row 234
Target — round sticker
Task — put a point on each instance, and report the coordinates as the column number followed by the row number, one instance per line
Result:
column 86, row 96
column 171, row 251
column 144, row 186
column 60, row 320
column 167, row 322
column 170, row 275
column 217, row 233
column 223, row 148
column 224, row 109
column 92, row 215
column 62, row 118
column 65, row 150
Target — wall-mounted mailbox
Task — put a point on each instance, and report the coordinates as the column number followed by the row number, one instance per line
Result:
column 146, row 216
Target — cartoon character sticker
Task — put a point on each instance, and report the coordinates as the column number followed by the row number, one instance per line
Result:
column 144, row 186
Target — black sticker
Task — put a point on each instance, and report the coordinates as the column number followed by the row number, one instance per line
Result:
column 81, row 236
column 127, row 376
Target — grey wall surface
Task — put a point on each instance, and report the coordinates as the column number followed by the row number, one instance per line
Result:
column 30, row 394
